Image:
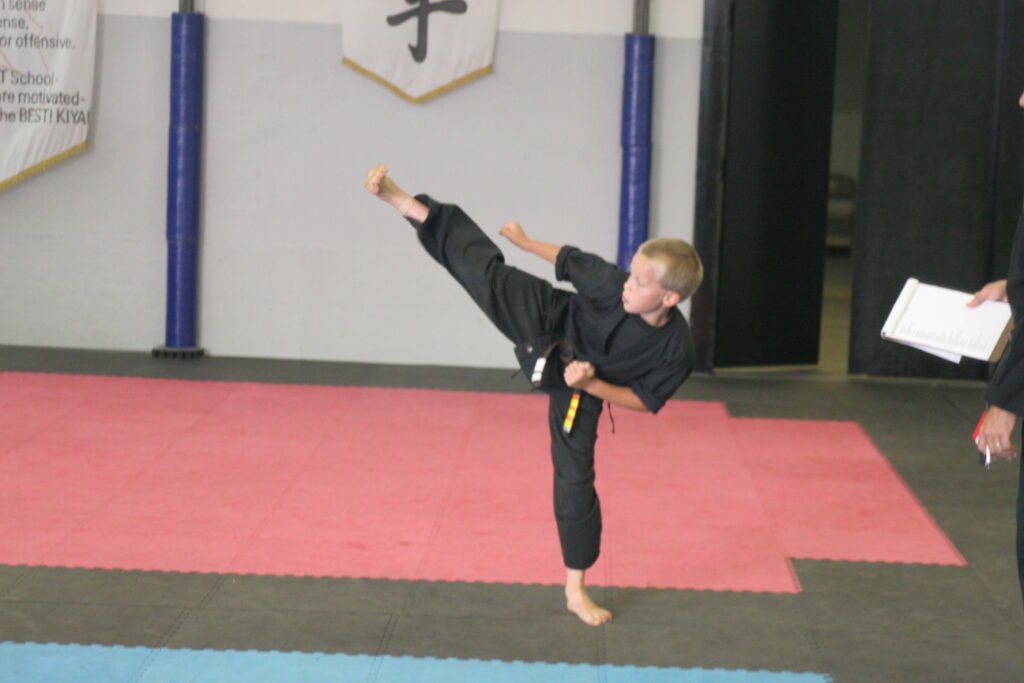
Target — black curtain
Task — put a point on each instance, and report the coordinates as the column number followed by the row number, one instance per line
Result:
column 940, row 177
column 762, row 180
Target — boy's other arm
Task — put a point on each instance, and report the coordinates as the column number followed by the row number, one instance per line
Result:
column 515, row 234
column 580, row 375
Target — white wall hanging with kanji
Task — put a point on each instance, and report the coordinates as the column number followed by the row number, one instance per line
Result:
column 419, row 48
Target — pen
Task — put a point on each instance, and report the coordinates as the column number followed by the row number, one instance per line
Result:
column 984, row 459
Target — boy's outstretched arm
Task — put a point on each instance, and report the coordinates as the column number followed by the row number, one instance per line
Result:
column 515, row 234
column 580, row 375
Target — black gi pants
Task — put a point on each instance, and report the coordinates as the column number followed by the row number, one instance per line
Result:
column 527, row 309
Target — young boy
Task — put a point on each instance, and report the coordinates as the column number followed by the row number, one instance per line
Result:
column 620, row 339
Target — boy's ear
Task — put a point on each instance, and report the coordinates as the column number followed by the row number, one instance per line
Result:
column 671, row 299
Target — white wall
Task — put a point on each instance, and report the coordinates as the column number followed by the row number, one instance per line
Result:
column 298, row 262
column 669, row 18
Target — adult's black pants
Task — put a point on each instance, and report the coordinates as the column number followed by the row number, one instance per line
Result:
column 1020, row 527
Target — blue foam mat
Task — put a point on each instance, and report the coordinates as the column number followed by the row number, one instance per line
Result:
column 48, row 662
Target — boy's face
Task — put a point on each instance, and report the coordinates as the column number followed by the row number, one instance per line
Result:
column 643, row 292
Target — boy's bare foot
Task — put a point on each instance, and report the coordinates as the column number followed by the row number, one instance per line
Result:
column 380, row 184
column 579, row 602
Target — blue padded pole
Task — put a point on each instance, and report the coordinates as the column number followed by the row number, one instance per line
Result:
column 183, row 178
column 637, row 101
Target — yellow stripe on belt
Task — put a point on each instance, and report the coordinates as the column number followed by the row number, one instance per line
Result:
column 570, row 415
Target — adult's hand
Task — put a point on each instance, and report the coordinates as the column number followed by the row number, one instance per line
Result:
column 993, row 291
column 995, row 433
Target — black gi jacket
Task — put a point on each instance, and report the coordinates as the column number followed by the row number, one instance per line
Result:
column 1006, row 388
column 625, row 350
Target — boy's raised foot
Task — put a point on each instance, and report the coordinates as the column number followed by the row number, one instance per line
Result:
column 378, row 183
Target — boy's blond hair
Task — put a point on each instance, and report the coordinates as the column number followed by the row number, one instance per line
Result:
column 683, row 269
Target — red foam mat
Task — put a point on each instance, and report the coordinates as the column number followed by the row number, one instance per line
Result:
column 434, row 485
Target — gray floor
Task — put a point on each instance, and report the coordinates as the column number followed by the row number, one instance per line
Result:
column 864, row 622
column 834, row 350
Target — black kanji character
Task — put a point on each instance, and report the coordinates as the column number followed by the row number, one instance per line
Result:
column 421, row 12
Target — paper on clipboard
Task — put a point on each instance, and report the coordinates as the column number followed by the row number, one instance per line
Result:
column 937, row 320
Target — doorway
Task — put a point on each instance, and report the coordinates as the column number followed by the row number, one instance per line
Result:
column 764, row 147
column 843, row 180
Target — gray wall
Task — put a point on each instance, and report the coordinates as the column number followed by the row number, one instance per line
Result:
column 297, row 261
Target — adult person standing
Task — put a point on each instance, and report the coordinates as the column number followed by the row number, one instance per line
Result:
column 1005, row 394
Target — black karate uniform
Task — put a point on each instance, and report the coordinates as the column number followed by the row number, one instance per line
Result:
column 592, row 323
column 1006, row 388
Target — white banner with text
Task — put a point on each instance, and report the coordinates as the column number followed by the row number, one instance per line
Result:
column 47, row 62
